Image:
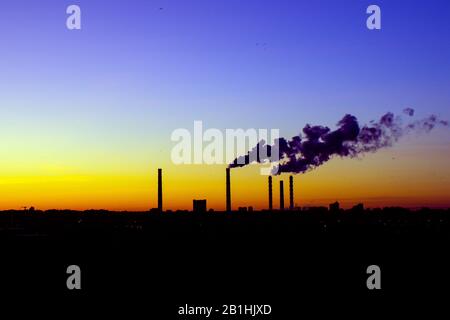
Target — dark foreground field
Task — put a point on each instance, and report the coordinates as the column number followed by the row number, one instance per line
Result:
column 292, row 260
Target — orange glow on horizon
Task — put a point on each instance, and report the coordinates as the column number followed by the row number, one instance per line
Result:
column 387, row 178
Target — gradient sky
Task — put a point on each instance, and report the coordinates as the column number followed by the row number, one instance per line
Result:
column 86, row 116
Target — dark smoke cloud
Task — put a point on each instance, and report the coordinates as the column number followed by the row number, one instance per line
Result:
column 318, row 144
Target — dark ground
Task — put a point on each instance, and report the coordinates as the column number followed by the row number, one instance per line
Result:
column 295, row 261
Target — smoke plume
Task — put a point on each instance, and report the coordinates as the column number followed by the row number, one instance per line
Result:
column 318, row 144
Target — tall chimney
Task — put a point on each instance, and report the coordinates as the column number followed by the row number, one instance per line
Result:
column 228, row 191
column 160, row 207
column 281, row 196
column 270, row 193
column 291, row 193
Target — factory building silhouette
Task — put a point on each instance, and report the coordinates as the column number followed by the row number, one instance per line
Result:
column 200, row 205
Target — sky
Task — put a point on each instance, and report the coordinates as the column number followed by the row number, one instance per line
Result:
column 87, row 115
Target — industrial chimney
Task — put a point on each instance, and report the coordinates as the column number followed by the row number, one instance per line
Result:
column 291, row 193
column 270, row 193
column 160, row 207
column 228, row 191
column 281, row 196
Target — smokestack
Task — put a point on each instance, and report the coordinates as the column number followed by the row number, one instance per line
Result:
column 160, row 208
column 228, row 191
column 270, row 193
column 291, row 193
column 281, row 196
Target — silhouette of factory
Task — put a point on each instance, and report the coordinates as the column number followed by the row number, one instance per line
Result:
column 90, row 226
column 200, row 205
column 313, row 220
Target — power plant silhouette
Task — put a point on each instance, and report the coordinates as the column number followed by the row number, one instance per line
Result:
column 200, row 205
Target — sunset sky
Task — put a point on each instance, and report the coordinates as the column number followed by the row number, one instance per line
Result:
column 87, row 115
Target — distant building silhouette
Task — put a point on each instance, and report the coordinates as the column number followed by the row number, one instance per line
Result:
column 334, row 207
column 199, row 206
column 359, row 207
